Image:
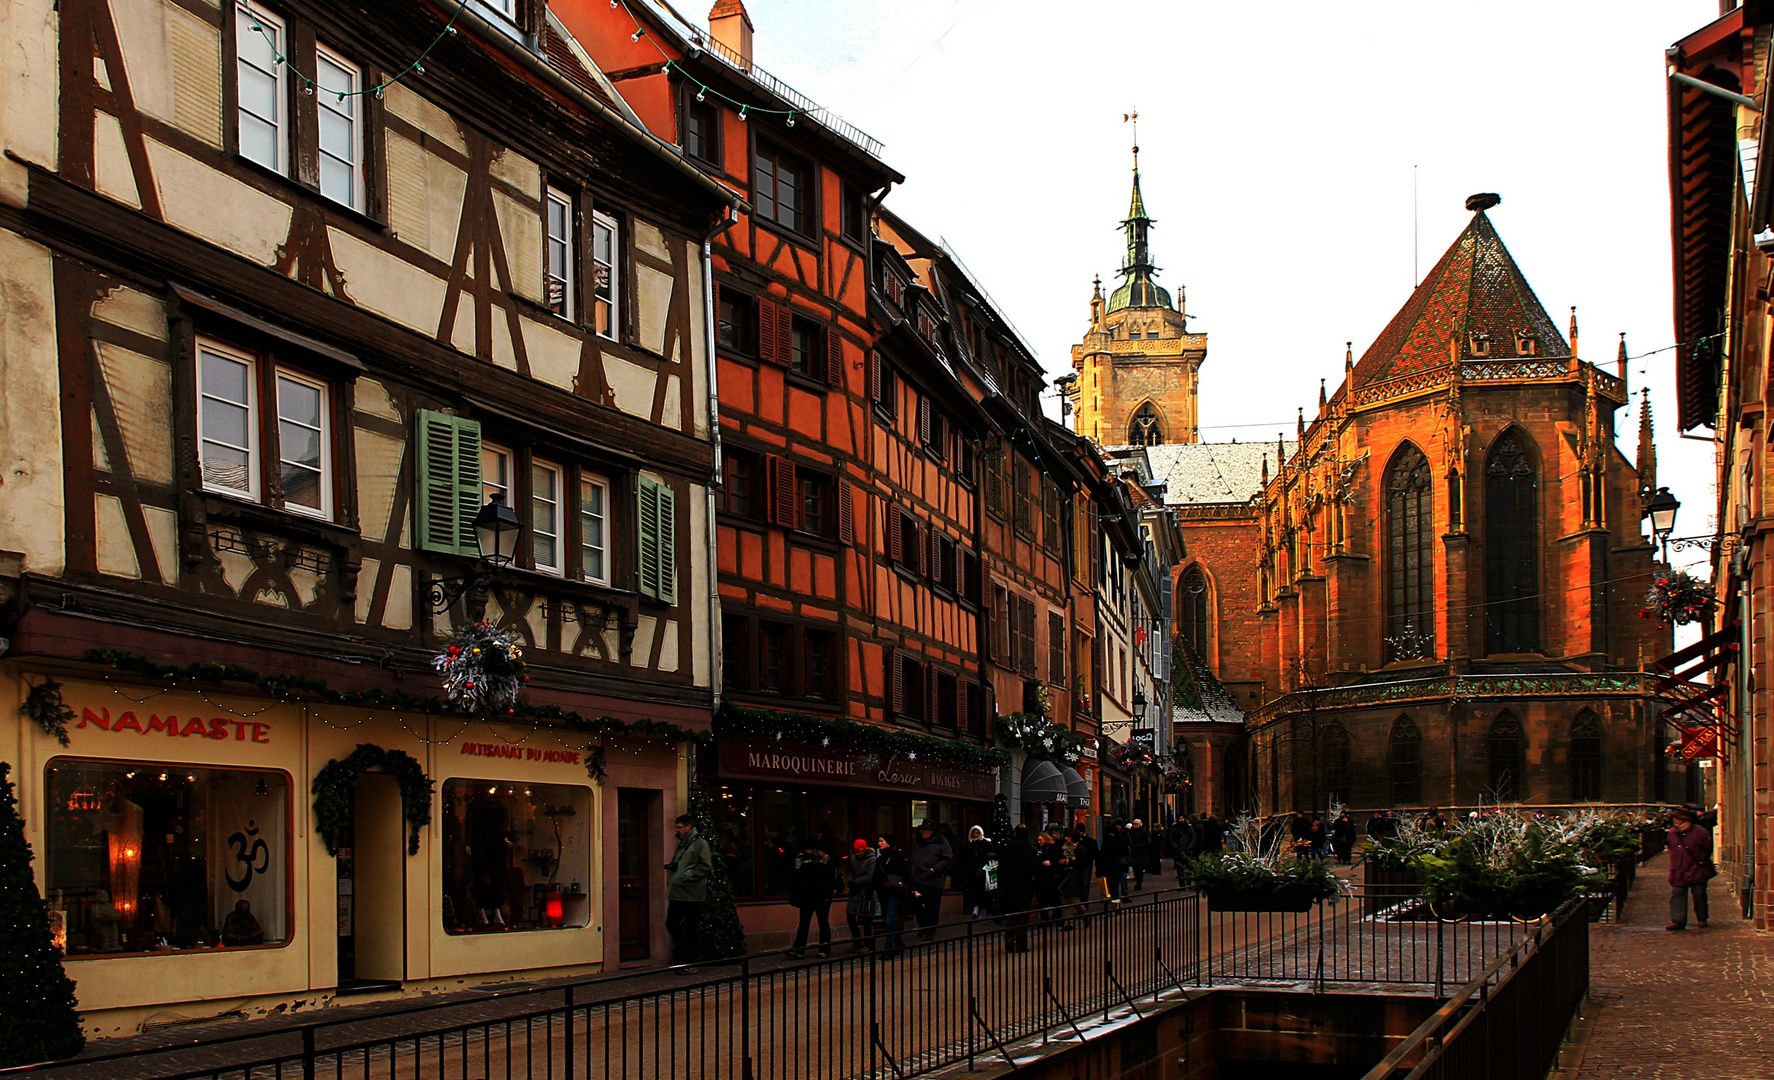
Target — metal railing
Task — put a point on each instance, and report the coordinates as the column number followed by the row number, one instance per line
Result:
column 801, row 102
column 966, row 997
column 1508, row 1022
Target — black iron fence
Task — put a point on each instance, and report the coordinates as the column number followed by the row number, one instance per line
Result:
column 964, row 998
column 1506, row 1023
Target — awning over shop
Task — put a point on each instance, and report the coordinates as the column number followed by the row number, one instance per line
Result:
column 1042, row 783
column 1077, row 788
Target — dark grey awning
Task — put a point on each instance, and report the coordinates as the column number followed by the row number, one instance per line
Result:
column 1077, row 788
column 1042, row 782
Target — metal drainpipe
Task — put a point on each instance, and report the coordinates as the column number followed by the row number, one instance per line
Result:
column 714, row 438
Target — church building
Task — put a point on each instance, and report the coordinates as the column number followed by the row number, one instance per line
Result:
column 1429, row 596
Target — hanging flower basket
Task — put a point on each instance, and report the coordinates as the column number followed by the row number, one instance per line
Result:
column 1175, row 780
column 1678, row 597
column 1128, row 756
column 482, row 669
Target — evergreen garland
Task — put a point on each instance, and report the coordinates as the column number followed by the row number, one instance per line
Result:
column 850, row 735
column 333, row 787
column 44, row 704
column 1038, row 736
column 300, row 686
column 721, row 935
column 38, row 1021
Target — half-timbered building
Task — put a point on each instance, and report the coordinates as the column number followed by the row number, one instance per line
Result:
column 295, row 293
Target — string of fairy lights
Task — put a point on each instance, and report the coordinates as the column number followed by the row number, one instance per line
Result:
column 310, row 85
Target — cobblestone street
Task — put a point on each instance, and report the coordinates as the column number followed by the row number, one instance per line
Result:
column 1668, row 1006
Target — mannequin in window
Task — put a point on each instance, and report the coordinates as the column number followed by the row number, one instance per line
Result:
column 241, row 927
column 1146, row 428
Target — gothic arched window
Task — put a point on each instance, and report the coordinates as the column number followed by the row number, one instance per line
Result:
column 1407, row 762
column 1586, row 758
column 1510, row 556
column 1335, row 758
column 1410, row 560
column 1147, row 428
column 1194, row 603
column 1504, row 746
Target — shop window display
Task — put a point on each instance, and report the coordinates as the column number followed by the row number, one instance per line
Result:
column 761, row 831
column 515, row 856
column 160, row 858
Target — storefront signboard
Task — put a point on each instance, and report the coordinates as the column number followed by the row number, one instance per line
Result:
column 825, row 767
column 214, row 727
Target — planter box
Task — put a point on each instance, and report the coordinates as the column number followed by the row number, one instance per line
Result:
column 1259, row 901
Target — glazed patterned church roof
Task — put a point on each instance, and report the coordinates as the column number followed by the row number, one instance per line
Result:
column 1475, row 288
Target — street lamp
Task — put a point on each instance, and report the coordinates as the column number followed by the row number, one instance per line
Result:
column 496, row 529
column 1661, row 511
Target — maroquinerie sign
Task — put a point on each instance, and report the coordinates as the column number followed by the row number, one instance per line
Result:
column 213, row 727
column 780, row 762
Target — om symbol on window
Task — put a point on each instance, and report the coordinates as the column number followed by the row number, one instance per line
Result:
column 252, row 853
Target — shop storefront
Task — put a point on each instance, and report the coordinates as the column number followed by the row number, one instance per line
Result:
column 205, row 853
column 772, row 796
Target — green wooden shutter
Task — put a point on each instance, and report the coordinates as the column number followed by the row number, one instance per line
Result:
column 656, row 522
column 448, row 482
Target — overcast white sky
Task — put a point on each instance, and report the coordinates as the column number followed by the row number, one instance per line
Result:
column 1278, row 143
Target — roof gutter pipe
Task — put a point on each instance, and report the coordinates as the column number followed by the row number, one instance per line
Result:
column 1719, row 91
column 728, row 219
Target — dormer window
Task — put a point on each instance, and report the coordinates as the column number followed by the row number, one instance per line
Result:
column 1479, row 343
column 1527, row 343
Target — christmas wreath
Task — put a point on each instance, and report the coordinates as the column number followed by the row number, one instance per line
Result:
column 1130, row 755
column 482, row 669
column 1175, row 780
column 1678, row 597
column 333, row 786
column 1038, row 736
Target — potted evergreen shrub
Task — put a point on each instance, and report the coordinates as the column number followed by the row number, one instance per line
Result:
column 1259, row 876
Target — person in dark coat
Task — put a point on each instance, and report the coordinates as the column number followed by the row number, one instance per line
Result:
column 1180, row 838
column 1343, row 838
column 1213, row 835
column 1078, row 857
column 1049, row 872
column 859, row 909
column 930, row 860
column 1690, row 857
column 1139, row 852
column 893, row 875
column 978, row 891
column 1016, row 888
column 810, row 890
column 1111, row 862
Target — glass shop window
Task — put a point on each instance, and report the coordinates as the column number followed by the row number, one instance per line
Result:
column 734, row 814
column 516, row 856
column 165, row 858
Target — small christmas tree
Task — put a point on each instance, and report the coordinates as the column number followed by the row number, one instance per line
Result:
column 999, row 829
column 37, row 1017
column 722, row 934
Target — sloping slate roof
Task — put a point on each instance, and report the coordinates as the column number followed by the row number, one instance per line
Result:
column 1212, row 472
column 1198, row 695
column 1476, row 287
column 562, row 58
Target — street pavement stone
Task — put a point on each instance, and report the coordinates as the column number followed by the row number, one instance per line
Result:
column 1694, row 1003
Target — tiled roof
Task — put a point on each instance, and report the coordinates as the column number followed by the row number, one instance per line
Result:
column 1212, row 472
column 1475, row 288
column 563, row 58
column 1197, row 695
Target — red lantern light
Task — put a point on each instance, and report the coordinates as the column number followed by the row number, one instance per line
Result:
column 552, row 909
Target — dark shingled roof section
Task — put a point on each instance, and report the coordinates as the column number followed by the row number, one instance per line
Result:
column 1475, row 288
column 1197, row 695
column 561, row 58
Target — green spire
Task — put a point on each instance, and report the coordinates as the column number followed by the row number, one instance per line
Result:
column 1139, row 290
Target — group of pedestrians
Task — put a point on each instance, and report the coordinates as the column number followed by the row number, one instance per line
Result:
column 883, row 882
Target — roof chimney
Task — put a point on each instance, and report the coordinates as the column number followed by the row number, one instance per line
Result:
column 730, row 27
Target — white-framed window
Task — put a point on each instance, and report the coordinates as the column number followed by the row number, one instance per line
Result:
column 606, row 285
column 558, row 240
column 495, row 473
column 337, row 82
column 594, row 531
column 507, row 8
column 260, row 38
column 304, row 444
column 545, row 517
column 227, row 431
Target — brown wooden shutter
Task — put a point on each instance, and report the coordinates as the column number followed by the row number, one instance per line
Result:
column 988, row 632
column 989, row 707
column 895, row 544
column 846, row 514
column 963, row 720
column 784, row 324
column 895, row 675
column 1025, row 629
column 782, row 492
column 834, row 357
column 995, row 488
column 1056, row 648
column 773, row 330
column 923, row 419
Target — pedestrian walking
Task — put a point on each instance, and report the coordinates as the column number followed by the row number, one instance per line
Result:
column 893, row 886
column 1049, row 872
column 1180, row 839
column 1016, row 888
column 931, row 857
column 686, row 889
column 1077, row 856
column 1139, row 852
column 1111, row 862
column 862, row 907
column 810, row 890
column 1213, row 835
column 1343, row 838
column 977, row 871
column 1690, row 868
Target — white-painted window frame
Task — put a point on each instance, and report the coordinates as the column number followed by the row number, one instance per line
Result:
column 350, row 108
column 611, row 272
column 325, row 511
column 559, row 503
column 253, row 465
column 244, row 18
column 556, row 200
column 589, row 482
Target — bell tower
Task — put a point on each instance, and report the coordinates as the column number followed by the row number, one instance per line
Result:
column 1138, row 366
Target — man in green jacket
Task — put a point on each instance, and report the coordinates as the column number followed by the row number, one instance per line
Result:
column 686, row 883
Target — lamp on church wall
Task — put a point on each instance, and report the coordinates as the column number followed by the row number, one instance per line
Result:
column 1661, row 511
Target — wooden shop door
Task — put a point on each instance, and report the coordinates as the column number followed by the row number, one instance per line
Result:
column 635, row 872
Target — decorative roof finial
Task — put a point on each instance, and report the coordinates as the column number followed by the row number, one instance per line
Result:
column 1573, row 331
column 1321, row 398
column 1647, row 450
column 1348, row 357
column 1483, row 201
column 1302, row 422
column 1620, row 358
